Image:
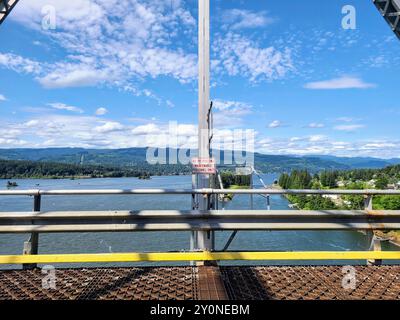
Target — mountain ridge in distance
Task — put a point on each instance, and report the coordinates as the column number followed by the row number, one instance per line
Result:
column 132, row 156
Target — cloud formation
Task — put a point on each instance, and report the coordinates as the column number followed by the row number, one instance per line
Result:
column 349, row 127
column 275, row 124
column 240, row 56
column 75, row 130
column 101, row 111
column 116, row 43
column 229, row 113
column 63, row 106
column 244, row 19
column 344, row 82
column 315, row 125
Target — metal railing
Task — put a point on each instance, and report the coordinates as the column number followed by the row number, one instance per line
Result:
column 207, row 191
column 38, row 221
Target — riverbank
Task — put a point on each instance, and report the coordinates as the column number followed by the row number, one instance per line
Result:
column 391, row 236
column 84, row 177
column 16, row 169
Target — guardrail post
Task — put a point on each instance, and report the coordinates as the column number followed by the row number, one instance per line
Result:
column 368, row 202
column 193, row 234
column 373, row 242
column 375, row 245
column 32, row 245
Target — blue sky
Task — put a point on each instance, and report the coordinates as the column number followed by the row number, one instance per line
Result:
column 112, row 74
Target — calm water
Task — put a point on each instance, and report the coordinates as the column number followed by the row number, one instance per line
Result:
column 159, row 241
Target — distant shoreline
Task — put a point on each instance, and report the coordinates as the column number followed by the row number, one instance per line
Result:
column 87, row 177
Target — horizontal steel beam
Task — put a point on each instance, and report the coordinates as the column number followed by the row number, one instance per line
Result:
column 193, row 191
column 303, row 191
column 170, row 220
column 198, row 256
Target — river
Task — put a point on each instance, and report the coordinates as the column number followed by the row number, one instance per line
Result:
column 161, row 241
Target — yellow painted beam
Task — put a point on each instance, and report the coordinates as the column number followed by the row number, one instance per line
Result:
column 198, row 256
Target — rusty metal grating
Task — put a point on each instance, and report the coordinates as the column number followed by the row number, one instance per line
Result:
column 211, row 286
column 310, row 283
column 178, row 283
column 207, row 282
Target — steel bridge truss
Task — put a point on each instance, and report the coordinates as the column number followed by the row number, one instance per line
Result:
column 5, row 8
column 390, row 10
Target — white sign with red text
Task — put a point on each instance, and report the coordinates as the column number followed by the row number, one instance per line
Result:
column 204, row 166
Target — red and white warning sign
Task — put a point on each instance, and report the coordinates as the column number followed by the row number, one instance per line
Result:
column 204, row 166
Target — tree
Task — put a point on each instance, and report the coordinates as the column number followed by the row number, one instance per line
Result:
column 381, row 182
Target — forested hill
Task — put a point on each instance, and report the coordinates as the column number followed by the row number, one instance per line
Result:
column 136, row 158
column 13, row 169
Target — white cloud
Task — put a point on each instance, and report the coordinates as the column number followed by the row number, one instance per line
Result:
column 72, row 76
column 116, row 43
column 376, row 61
column 19, row 64
column 344, row 82
column 317, row 138
column 31, row 123
column 9, row 143
column 349, row 127
column 122, row 43
column 378, row 145
column 242, row 19
column 2, row 98
column 109, row 126
column 345, row 119
column 187, row 130
column 150, row 128
column 323, row 145
column 275, row 124
column 54, row 130
column 63, row 106
column 230, row 113
column 170, row 104
column 294, row 139
column 235, row 106
column 101, row 111
column 71, row 130
column 241, row 56
column 315, row 125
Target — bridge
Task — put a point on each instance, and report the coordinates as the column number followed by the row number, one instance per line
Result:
column 205, row 280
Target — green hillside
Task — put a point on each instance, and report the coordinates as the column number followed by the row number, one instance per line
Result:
column 135, row 159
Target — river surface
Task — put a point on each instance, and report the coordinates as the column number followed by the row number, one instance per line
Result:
column 161, row 241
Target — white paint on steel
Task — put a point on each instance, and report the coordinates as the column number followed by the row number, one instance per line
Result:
column 204, row 240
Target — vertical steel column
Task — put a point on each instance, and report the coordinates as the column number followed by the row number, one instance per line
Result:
column 193, row 234
column 204, row 239
column 373, row 243
column 32, row 245
column 251, row 195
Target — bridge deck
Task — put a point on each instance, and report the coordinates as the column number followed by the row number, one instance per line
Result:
column 203, row 283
